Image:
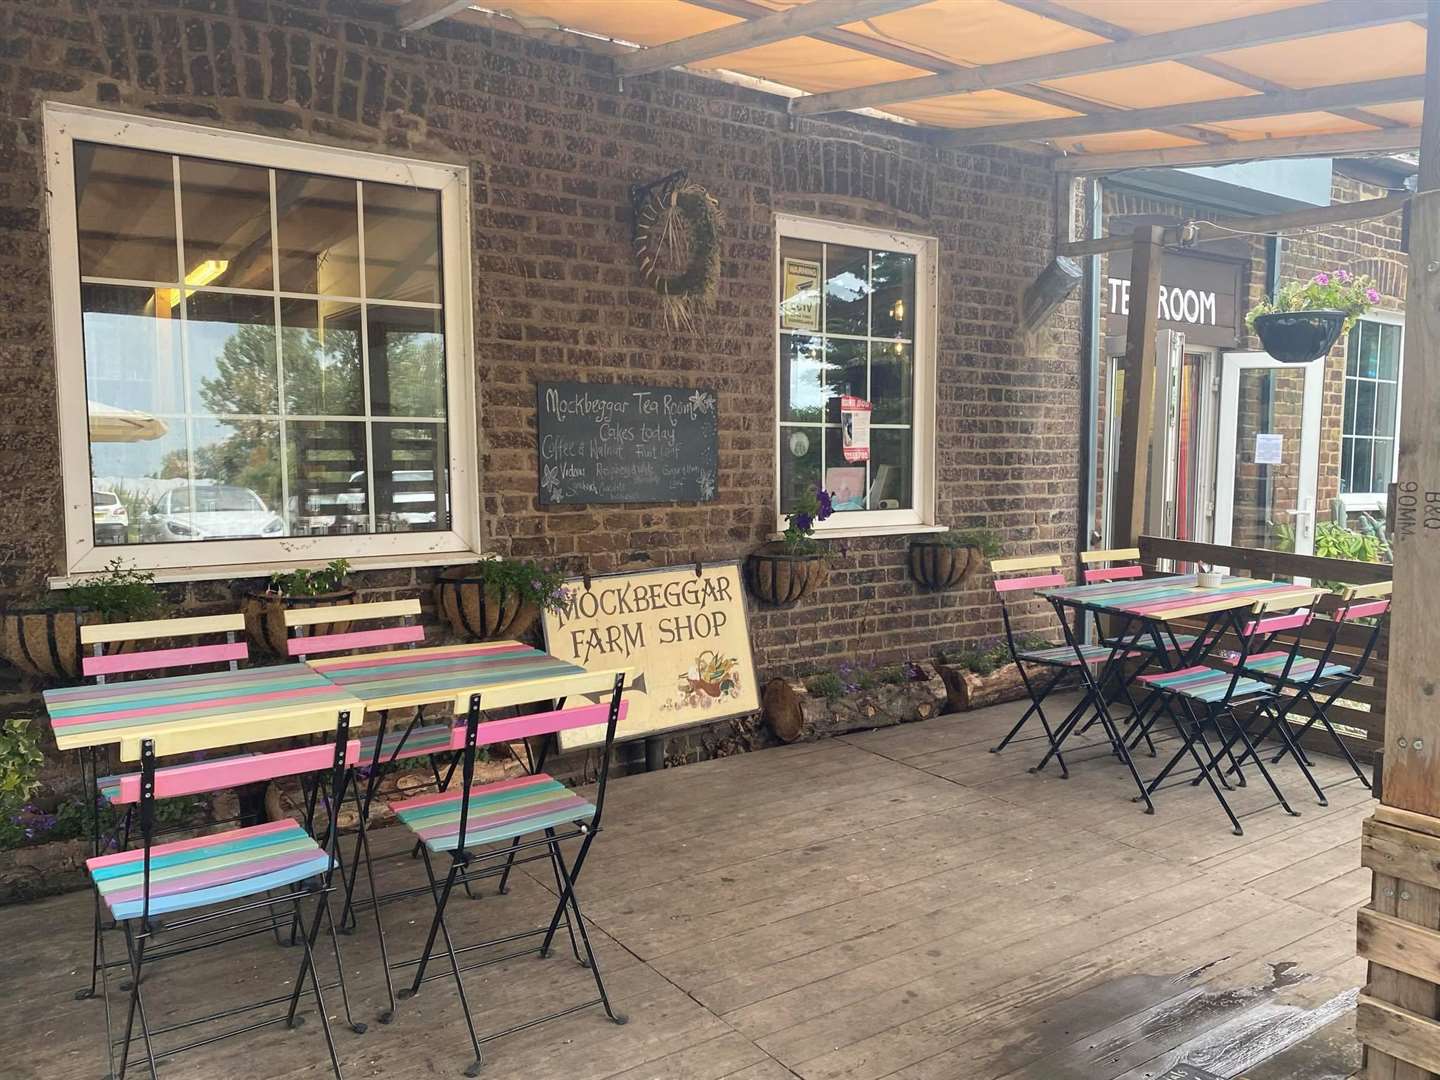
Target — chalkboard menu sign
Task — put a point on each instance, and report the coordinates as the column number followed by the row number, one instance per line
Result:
column 619, row 444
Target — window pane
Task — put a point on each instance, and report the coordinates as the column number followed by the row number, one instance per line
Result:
column 1369, row 362
column 891, row 460
column 893, row 309
column 1364, row 408
column 206, row 509
column 892, row 381
column 1385, row 408
column 848, row 373
column 236, row 493
column 800, row 262
column 1349, row 421
column 1352, row 349
column 799, row 463
column 411, row 488
column 402, row 243
column 407, row 361
column 1389, row 359
column 319, row 234
column 1360, row 470
column 230, row 350
column 847, row 289
column 329, row 492
column 1347, row 454
column 127, row 477
column 132, row 357
column 1383, row 462
column 320, row 350
column 125, row 204
column 804, row 377
column 226, row 214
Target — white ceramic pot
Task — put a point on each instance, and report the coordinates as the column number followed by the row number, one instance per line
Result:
column 1209, row 579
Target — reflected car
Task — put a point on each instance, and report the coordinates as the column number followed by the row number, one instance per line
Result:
column 413, row 503
column 209, row 511
column 112, row 520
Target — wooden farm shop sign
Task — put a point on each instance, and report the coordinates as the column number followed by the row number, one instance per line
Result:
column 621, row 444
column 682, row 635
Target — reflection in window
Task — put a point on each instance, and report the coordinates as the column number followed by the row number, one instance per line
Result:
column 255, row 366
column 852, row 334
column 1371, row 416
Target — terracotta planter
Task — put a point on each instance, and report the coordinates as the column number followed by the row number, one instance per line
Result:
column 938, row 566
column 780, row 578
column 481, row 611
column 46, row 642
column 1297, row 337
column 265, row 617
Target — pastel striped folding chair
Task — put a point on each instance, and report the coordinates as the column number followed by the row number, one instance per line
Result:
column 486, row 829
column 1060, row 661
column 1201, row 698
column 119, row 790
column 198, row 886
column 1362, row 613
column 1123, row 564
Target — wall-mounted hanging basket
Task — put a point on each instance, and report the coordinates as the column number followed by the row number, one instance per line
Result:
column 1297, row 337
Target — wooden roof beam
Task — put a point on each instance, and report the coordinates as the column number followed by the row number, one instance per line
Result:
column 1315, row 99
column 1101, row 28
column 1330, row 17
column 418, row 14
column 793, row 22
column 1349, row 143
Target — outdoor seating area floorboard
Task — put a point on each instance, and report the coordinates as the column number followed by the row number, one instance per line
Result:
column 898, row 904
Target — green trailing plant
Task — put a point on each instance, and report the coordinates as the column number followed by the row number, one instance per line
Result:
column 26, row 824
column 117, row 593
column 989, row 655
column 545, row 589
column 810, row 508
column 826, row 684
column 985, row 541
column 850, row 678
column 1333, row 290
column 20, row 761
column 311, row 582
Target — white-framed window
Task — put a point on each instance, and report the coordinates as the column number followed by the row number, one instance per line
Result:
column 262, row 348
column 1369, row 447
column 855, row 311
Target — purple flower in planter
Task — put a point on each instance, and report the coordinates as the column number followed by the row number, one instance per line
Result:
column 827, row 505
column 1321, row 278
column 1342, row 276
column 1372, row 295
column 802, row 522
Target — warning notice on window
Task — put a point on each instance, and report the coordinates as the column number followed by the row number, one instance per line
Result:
column 855, row 428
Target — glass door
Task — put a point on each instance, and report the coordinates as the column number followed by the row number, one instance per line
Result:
column 1269, row 448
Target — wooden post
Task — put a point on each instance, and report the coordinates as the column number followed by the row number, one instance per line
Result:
column 1138, row 410
column 1400, row 932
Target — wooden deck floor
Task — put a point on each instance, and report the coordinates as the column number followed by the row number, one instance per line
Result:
column 897, row 904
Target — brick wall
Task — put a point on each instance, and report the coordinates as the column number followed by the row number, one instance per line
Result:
column 1371, row 247
column 552, row 147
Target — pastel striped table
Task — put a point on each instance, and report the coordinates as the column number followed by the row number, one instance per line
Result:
column 190, row 712
column 1174, row 597
column 503, row 673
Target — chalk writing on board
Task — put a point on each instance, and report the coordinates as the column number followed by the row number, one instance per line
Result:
column 626, row 443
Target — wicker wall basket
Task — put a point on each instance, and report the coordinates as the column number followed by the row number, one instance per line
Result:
column 781, row 578
column 265, row 617
column 480, row 610
column 937, row 566
column 46, row 642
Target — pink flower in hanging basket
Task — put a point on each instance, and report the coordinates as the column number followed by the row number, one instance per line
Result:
column 1321, row 278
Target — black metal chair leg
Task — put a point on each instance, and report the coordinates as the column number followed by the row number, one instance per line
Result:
column 389, row 1013
column 554, row 849
column 1260, row 764
column 504, row 886
column 569, row 890
column 307, row 968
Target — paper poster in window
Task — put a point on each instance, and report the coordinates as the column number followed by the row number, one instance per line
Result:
column 855, row 428
column 846, row 485
column 800, row 295
column 1268, row 448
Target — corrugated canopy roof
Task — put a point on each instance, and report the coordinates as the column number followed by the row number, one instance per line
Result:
column 1109, row 83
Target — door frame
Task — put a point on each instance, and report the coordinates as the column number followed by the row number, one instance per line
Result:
column 1231, row 365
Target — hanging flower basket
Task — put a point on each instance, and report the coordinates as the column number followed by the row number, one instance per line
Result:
column 264, row 612
column 46, row 641
column 481, row 609
column 1297, row 337
column 782, row 578
column 938, row 562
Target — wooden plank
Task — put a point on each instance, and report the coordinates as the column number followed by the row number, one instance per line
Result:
column 1404, row 1035
column 329, row 613
column 1137, row 409
column 1399, row 853
column 1216, row 110
column 791, row 22
column 1348, row 143
column 1264, row 561
column 1025, row 562
column 1397, row 944
column 104, row 633
column 1322, row 18
column 417, row 14
column 1359, row 210
column 1404, row 819
column 1127, row 554
column 1412, row 763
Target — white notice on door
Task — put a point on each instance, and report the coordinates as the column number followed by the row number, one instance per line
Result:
column 1268, row 449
